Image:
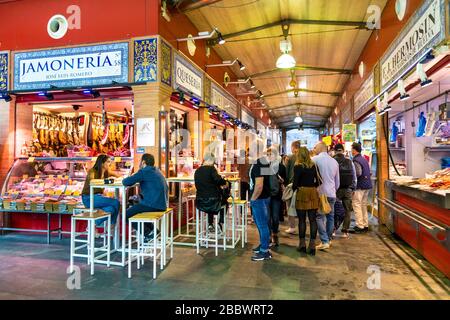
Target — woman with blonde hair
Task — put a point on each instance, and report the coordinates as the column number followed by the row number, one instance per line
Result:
column 306, row 181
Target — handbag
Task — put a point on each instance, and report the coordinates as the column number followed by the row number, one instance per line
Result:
column 324, row 205
column 287, row 193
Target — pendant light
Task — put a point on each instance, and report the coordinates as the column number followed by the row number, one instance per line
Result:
column 285, row 61
column 298, row 118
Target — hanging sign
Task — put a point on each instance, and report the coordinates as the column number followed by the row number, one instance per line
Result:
column 347, row 114
column 423, row 31
column 187, row 77
column 247, row 118
column 145, row 132
column 363, row 96
column 218, row 98
column 71, row 67
column 327, row 140
column 349, row 132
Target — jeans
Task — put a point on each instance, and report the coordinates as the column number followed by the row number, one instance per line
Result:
column 260, row 211
column 312, row 217
column 274, row 218
column 106, row 204
column 325, row 223
column 360, row 201
column 345, row 195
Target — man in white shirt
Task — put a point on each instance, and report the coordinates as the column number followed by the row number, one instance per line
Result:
column 329, row 173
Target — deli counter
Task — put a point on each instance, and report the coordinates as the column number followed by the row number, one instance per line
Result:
column 36, row 189
column 419, row 213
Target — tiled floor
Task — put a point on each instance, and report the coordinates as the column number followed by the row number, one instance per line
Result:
column 31, row 269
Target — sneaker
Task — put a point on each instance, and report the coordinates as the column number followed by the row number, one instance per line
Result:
column 256, row 249
column 261, row 256
column 345, row 235
column 358, row 230
column 323, row 246
column 148, row 237
column 290, row 231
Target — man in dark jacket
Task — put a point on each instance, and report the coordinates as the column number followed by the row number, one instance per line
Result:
column 153, row 190
column 347, row 185
column 363, row 187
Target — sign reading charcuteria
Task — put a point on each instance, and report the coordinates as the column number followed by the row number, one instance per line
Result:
column 71, row 67
column 218, row 98
column 187, row 77
column 423, row 31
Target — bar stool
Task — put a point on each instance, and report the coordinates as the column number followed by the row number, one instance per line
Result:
column 241, row 213
column 202, row 234
column 89, row 243
column 158, row 241
column 190, row 201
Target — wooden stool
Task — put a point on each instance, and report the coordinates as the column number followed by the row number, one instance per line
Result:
column 84, row 215
column 159, row 240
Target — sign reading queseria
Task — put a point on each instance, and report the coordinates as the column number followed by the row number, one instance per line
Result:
column 423, row 31
column 363, row 96
column 187, row 77
column 220, row 100
column 71, row 67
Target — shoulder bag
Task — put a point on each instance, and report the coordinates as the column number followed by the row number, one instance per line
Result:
column 324, row 205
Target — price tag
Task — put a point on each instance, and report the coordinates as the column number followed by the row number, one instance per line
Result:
column 49, row 192
column 117, row 159
column 60, row 176
column 25, row 176
column 68, row 192
column 128, row 164
column 94, row 159
column 31, row 159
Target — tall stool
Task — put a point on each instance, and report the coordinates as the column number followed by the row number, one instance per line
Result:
column 240, row 207
column 89, row 243
column 150, row 249
column 190, row 201
column 202, row 234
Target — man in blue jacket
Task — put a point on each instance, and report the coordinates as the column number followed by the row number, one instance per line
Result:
column 154, row 190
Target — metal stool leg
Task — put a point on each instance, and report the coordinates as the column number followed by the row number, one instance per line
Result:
column 197, row 233
column 129, row 249
column 216, row 234
column 154, row 251
column 108, row 234
column 92, row 244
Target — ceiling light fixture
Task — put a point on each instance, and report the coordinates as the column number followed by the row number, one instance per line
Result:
column 298, row 118
column 228, row 63
column 220, row 39
column 285, row 61
column 424, row 81
column 401, row 88
column 201, row 35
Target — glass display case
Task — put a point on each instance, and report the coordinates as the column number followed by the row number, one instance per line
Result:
column 50, row 184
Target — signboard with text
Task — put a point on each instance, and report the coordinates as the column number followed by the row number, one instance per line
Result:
column 247, row 118
column 187, row 77
column 218, row 98
column 362, row 97
column 71, row 67
column 349, row 132
column 425, row 29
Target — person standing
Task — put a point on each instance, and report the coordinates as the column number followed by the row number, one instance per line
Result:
column 295, row 146
column 305, row 183
column 347, row 178
column 259, row 202
column 244, row 169
column 277, row 178
column 153, row 191
column 363, row 187
column 329, row 174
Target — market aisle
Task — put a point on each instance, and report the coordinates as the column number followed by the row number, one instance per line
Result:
column 29, row 269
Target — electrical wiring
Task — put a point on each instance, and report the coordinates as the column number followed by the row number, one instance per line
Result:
column 294, row 34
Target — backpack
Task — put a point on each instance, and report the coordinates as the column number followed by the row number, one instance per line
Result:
column 345, row 172
column 274, row 185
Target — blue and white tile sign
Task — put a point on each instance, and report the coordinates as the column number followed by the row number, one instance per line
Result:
column 71, row 67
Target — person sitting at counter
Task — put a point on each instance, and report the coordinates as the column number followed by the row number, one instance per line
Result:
column 101, row 170
column 153, row 193
column 208, row 183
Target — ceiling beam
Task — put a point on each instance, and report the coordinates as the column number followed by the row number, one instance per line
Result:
column 357, row 24
column 301, row 68
column 334, row 94
column 304, row 121
column 185, row 7
column 296, row 105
